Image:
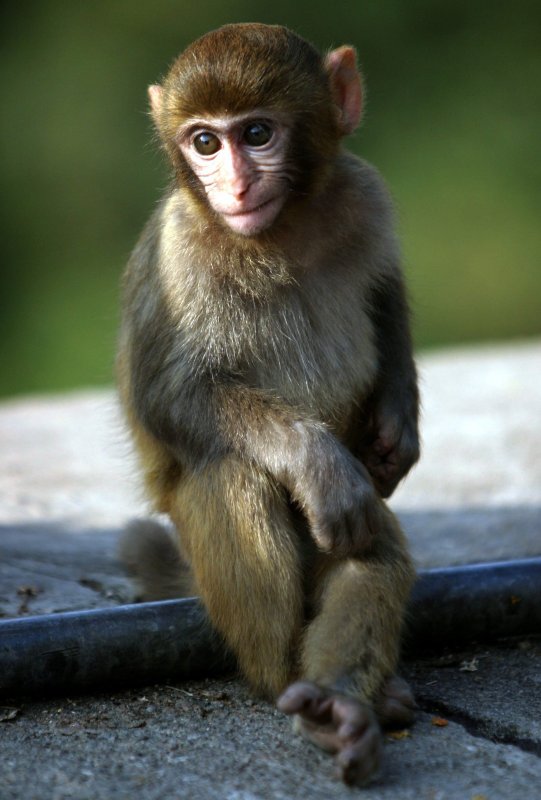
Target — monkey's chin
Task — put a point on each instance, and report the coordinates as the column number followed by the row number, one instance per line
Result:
column 256, row 220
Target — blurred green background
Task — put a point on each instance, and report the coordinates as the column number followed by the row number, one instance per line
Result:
column 453, row 120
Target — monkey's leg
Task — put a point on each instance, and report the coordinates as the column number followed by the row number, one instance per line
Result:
column 350, row 655
column 237, row 533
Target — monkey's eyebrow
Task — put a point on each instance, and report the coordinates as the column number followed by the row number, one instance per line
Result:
column 222, row 124
column 206, row 123
column 190, row 127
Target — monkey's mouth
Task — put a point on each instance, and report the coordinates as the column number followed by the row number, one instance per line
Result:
column 253, row 220
column 254, row 210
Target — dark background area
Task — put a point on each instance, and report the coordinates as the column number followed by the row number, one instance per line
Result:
column 453, row 121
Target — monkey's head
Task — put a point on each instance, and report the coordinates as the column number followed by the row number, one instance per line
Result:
column 251, row 116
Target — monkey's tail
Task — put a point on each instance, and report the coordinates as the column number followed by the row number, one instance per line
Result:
column 153, row 558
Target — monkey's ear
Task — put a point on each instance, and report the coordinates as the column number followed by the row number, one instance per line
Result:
column 155, row 93
column 346, row 87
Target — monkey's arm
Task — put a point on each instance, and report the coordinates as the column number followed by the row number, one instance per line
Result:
column 201, row 418
column 390, row 445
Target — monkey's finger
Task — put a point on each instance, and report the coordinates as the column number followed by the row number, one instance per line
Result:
column 386, row 477
column 305, row 697
column 360, row 761
column 359, row 756
column 381, row 447
column 399, row 689
column 392, row 713
column 353, row 726
column 395, row 706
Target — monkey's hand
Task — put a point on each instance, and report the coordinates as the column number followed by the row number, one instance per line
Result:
column 390, row 446
column 338, row 497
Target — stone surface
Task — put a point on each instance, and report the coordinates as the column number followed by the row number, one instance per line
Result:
column 212, row 741
column 67, row 486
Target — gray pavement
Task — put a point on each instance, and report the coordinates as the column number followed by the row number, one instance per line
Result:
column 67, row 487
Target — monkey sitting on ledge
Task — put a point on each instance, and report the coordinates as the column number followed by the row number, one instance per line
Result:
column 265, row 367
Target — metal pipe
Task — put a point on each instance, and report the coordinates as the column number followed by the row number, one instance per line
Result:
column 172, row 640
column 454, row 606
column 112, row 647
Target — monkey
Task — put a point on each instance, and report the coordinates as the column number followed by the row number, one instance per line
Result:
column 266, row 373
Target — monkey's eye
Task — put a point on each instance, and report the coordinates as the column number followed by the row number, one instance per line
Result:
column 206, row 143
column 256, row 134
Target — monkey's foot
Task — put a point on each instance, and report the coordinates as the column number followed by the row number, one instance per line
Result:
column 338, row 724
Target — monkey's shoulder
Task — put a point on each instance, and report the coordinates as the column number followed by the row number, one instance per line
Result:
column 360, row 187
column 160, row 244
column 357, row 227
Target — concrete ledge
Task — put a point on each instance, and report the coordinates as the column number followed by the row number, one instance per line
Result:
column 67, row 487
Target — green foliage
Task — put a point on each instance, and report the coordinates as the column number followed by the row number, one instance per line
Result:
column 452, row 120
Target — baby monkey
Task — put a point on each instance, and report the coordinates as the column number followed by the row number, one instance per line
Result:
column 265, row 367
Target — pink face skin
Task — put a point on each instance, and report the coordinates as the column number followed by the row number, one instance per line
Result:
column 244, row 173
column 240, row 162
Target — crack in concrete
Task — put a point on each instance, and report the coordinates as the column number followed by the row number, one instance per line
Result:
column 481, row 729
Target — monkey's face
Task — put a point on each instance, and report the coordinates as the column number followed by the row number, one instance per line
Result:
column 252, row 115
column 241, row 164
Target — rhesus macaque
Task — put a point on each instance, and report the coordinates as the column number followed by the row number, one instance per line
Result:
column 266, row 371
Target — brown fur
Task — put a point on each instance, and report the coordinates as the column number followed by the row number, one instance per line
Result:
column 255, row 371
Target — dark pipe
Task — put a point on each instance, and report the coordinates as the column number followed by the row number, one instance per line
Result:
column 452, row 606
column 171, row 640
column 126, row 645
